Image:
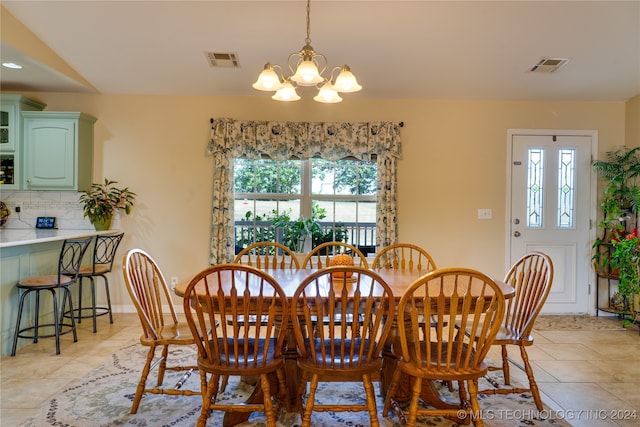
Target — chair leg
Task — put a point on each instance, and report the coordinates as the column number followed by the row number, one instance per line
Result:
column 413, row 406
column 505, row 366
column 313, row 386
column 163, row 364
column 93, row 303
column 17, row 331
column 143, row 380
column 79, row 299
column 36, row 322
column 371, row 400
column 535, row 393
column 106, row 289
column 206, row 401
column 475, row 407
column 268, row 404
column 67, row 294
column 56, row 321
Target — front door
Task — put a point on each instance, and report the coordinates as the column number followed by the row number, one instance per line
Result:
column 550, row 210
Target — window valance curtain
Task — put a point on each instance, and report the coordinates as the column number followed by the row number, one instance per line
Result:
column 283, row 140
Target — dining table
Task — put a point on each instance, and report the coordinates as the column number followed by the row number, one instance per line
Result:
column 398, row 280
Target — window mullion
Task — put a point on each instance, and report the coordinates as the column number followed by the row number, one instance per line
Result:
column 305, row 201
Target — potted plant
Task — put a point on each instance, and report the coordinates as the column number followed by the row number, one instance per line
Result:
column 626, row 258
column 101, row 201
column 622, row 194
column 620, row 201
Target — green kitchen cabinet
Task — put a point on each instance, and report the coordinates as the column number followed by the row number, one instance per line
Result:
column 58, row 150
column 11, row 108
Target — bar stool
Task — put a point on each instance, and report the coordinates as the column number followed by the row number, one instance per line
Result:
column 104, row 253
column 68, row 267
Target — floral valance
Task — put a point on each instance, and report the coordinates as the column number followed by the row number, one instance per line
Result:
column 304, row 140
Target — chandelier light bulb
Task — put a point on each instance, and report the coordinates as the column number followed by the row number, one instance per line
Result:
column 286, row 93
column 346, row 81
column 307, row 74
column 268, row 80
column 327, row 95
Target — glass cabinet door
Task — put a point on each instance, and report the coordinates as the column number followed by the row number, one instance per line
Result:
column 7, row 170
column 7, row 131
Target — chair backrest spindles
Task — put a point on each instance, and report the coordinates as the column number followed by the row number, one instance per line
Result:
column 268, row 255
column 320, row 256
column 250, row 309
column 531, row 276
column 149, row 291
column 451, row 296
column 404, row 256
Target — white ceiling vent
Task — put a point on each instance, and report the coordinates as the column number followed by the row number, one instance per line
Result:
column 223, row 59
column 548, row 65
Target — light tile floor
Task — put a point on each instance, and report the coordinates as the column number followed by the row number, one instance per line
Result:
column 596, row 372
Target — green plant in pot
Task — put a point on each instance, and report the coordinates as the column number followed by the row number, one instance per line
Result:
column 621, row 170
column 626, row 258
column 101, row 201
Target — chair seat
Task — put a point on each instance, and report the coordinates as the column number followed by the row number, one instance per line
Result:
column 88, row 270
column 171, row 334
column 507, row 335
column 333, row 352
column 44, row 282
column 227, row 363
column 441, row 372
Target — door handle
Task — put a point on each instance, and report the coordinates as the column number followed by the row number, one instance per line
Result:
column 516, row 234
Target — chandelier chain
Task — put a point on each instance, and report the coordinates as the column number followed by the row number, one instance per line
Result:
column 308, row 39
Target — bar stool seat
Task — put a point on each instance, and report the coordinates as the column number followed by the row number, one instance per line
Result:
column 68, row 267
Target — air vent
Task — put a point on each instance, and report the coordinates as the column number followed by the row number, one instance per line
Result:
column 223, row 59
column 548, row 65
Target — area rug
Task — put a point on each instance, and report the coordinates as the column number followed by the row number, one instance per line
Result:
column 104, row 396
column 579, row 322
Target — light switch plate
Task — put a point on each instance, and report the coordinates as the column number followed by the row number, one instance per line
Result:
column 485, row 214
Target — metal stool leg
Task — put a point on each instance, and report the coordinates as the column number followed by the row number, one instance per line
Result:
column 17, row 332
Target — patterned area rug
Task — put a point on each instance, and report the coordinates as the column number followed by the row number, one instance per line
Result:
column 104, row 396
column 579, row 322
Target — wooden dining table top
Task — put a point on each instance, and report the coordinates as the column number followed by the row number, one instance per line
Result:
column 398, row 280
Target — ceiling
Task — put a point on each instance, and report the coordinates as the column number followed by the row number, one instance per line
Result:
column 397, row 49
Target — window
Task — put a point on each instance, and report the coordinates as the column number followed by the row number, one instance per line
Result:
column 338, row 197
column 365, row 141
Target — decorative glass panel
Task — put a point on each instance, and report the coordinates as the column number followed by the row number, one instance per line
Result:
column 566, row 187
column 535, row 187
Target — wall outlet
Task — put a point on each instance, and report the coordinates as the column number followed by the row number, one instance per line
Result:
column 485, row 214
column 174, row 282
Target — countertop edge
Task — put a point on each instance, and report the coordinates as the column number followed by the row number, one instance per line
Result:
column 30, row 237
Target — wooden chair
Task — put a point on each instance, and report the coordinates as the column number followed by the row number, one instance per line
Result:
column 104, row 254
column 321, row 255
column 265, row 255
column 257, row 308
column 404, row 256
column 338, row 352
column 69, row 263
column 531, row 276
column 439, row 352
column 160, row 325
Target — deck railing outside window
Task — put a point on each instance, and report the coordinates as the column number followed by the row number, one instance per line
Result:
column 361, row 235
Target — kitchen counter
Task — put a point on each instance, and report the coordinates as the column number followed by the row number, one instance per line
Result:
column 29, row 252
column 20, row 237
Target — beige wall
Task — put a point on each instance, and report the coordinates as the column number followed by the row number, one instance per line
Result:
column 633, row 122
column 454, row 162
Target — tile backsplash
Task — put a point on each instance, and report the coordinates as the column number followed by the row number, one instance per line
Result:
column 63, row 205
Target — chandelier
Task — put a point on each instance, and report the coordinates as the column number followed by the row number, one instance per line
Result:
column 309, row 67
